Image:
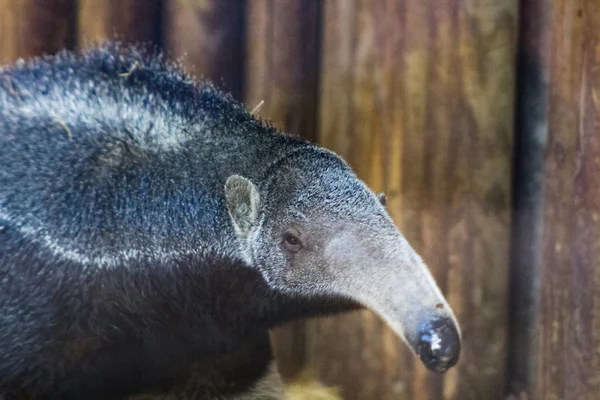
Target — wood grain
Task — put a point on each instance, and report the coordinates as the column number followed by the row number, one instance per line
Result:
column 133, row 21
column 418, row 96
column 30, row 28
column 569, row 338
column 282, row 68
column 281, row 74
column 208, row 36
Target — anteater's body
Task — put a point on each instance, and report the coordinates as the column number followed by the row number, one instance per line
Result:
column 125, row 266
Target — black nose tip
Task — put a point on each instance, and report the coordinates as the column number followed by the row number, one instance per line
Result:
column 439, row 344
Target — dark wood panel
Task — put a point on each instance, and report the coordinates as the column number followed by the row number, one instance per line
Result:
column 418, row 96
column 133, row 21
column 281, row 85
column 533, row 71
column 208, row 37
column 31, row 28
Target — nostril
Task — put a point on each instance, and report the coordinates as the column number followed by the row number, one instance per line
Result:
column 439, row 344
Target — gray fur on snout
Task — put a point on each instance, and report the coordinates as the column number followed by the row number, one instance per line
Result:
column 388, row 277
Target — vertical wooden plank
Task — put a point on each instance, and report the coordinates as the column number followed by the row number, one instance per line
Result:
column 567, row 350
column 418, row 96
column 479, row 230
column 281, row 82
column 209, row 34
column 31, row 28
column 134, row 21
column 282, row 53
column 533, row 70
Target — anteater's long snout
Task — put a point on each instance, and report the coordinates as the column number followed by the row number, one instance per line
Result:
column 389, row 278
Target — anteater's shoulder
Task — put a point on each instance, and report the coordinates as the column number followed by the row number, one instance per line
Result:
column 115, row 150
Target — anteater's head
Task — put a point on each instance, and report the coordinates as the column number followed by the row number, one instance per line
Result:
column 313, row 228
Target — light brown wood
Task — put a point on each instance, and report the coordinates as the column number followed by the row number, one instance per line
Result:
column 30, row 28
column 133, row 21
column 208, row 37
column 282, row 69
column 418, row 96
column 569, row 336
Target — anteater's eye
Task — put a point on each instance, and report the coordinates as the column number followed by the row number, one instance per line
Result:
column 291, row 242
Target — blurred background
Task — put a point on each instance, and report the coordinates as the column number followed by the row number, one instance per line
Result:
column 479, row 119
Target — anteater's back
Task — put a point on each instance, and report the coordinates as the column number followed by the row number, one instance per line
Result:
column 111, row 154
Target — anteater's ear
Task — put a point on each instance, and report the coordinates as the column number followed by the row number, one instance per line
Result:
column 382, row 199
column 243, row 203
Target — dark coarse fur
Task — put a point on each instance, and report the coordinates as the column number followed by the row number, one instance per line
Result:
column 119, row 272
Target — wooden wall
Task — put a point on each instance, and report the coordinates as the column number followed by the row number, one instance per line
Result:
column 32, row 27
column 478, row 118
column 556, row 254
